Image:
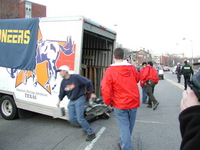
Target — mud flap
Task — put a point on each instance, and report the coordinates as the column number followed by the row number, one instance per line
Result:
column 23, row 114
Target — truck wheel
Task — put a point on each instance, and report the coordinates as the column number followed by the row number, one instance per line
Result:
column 8, row 108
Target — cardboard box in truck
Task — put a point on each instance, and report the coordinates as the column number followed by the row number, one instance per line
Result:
column 32, row 49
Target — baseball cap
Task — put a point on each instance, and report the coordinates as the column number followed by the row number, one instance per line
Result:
column 64, row 67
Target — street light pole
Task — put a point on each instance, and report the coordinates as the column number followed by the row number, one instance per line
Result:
column 192, row 49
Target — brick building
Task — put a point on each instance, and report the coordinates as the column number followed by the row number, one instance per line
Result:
column 21, row 9
column 141, row 56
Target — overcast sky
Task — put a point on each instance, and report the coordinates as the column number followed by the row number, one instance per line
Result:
column 156, row 25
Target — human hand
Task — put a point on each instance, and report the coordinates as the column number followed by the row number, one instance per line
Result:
column 189, row 99
column 93, row 95
column 58, row 104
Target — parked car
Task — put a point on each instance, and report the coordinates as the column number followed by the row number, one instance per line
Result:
column 160, row 72
column 166, row 68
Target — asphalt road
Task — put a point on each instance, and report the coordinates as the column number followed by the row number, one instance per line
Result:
column 154, row 130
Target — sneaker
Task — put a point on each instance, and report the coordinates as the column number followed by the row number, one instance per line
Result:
column 155, row 106
column 149, row 106
column 90, row 137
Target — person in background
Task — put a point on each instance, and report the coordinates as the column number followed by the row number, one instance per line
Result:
column 143, row 86
column 119, row 89
column 178, row 72
column 128, row 60
column 149, row 77
column 73, row 85
column 189, row 119
column 186, row 71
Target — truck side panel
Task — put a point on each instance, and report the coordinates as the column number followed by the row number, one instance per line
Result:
column 82, row 45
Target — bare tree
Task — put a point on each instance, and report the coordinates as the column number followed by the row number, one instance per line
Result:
column 9, row 9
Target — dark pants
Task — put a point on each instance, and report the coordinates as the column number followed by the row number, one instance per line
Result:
column 179, row 77
column 150, row 91
column 186, row 79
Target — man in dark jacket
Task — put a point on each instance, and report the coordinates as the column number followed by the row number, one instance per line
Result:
column 186, row 71
column 189, row 120
column 73, row 86
column 178, row 72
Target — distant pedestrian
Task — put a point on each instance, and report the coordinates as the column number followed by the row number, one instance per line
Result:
column 119, row 89
column 150, row 79
column 73, row 85
column 128, row 60
column 178, row 72
column 143, row 86
column 186, row 71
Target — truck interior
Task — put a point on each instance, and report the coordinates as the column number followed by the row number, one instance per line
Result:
column 96, row 57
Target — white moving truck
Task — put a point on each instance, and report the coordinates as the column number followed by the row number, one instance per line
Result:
column 84, row 45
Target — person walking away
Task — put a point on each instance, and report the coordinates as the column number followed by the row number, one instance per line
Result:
column 143, row 86
column 178, row 72
column 186, row 71
column 119, row 89
column 150, row 79
column 73, row 86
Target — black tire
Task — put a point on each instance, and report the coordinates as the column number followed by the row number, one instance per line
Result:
column 8, row 108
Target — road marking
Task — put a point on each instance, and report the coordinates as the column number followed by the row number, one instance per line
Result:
column 149, row 122
column 98, row 135
column 177, row 84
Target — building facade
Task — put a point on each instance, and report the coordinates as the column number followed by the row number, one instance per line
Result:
column 10, row 9
column 140, row 56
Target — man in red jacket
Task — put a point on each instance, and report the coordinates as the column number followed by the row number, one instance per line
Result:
column 150, row 79
column 119, row 89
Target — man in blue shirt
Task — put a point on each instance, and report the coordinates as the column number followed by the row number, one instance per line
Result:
column 73, row 85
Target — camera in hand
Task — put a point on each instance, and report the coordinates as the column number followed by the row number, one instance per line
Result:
column 194, row 84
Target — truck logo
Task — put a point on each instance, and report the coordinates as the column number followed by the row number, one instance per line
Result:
column 49, row 56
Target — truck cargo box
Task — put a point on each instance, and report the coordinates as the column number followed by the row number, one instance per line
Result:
column 29, row 57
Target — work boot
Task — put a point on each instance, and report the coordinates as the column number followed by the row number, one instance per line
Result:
column 146, row 102
column 90, row 137
column 149, row 106
column 155, row 105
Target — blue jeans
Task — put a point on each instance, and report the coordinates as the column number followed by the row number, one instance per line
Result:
column 126, row 120
column 144, row 94
column 76, row 114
